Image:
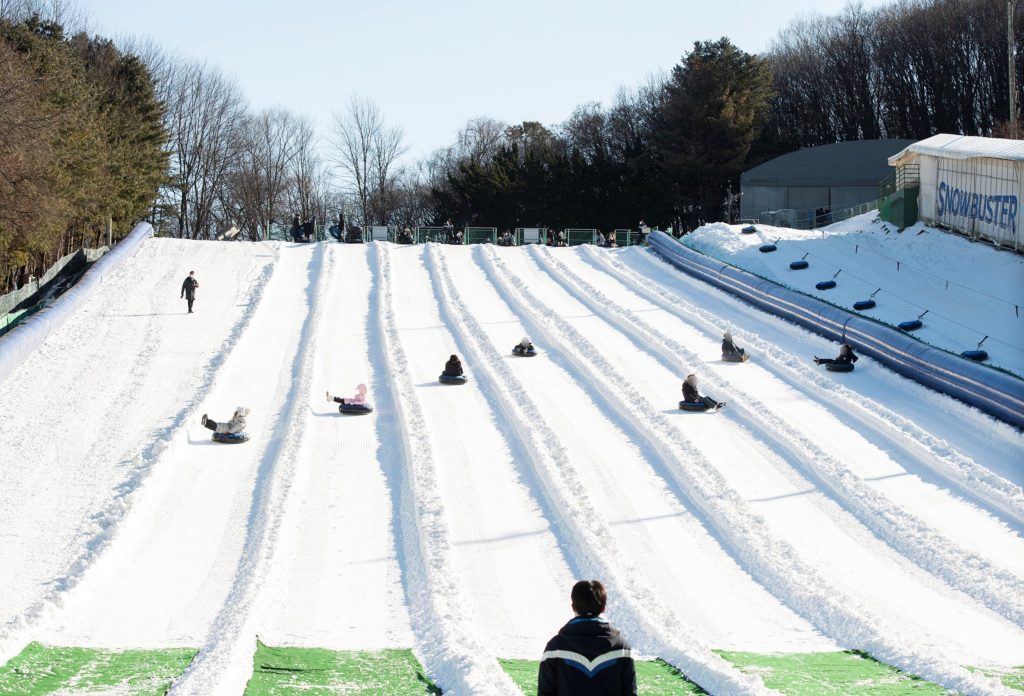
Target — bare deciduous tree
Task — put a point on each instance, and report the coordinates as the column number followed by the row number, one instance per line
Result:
column 205, row 112
column 367, row 151
column 256, row 191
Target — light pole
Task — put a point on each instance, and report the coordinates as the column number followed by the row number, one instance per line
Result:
column 1012, row 67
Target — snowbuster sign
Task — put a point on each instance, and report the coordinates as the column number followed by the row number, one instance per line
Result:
column 968, row 184
column 956, row 207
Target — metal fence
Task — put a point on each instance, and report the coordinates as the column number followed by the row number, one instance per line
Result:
column 573, row 236
column 812, row 218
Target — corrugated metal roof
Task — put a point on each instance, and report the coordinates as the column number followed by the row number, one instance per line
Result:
column 850, row 163
column 963, row 147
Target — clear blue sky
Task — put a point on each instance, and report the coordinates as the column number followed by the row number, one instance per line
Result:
column 431, row 66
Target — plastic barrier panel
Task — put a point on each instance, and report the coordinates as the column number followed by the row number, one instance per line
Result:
column 30, row 334
column 997, row 393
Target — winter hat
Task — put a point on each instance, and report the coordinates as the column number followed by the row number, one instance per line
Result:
column 361, row 389
column 525, row 342
column 727, row 336
column 242, row 411
column 691, row 380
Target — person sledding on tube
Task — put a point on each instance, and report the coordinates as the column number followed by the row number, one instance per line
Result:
column 232, row 427
column 524, row 347
column 846, row 357
column 729, row 349
column 358, row 400
column 453, row 368
column 692, row 396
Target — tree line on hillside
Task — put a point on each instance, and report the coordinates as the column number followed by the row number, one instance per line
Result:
column 91, row 131
column 671, row 152
column 81, row 141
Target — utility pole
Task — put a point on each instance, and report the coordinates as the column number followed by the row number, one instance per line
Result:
column 1013, row 68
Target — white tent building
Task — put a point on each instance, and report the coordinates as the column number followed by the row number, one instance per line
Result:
column 968, row 184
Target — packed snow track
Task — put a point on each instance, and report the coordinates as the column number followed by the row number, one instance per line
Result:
column 815, row 512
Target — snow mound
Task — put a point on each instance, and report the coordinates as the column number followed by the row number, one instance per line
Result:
column 970, row 292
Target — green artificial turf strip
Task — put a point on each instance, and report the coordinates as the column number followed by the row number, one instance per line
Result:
column 1012, row 678
column 39, row 670
column 653, row 678
column 846, row 673
column 318, row 672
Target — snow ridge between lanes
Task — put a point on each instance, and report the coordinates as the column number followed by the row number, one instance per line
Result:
column 13, row 635
column 451, row 654
column 581, row 529
column 976, row 480
column 960, row 568
column 771, row 560
column 224, row 664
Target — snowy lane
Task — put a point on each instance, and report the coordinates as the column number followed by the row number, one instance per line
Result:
column 994, row 445
column 680, row 561
column 580, row 526
column 169, row 570
column 449, row 641
column 454, row 519
column 927, row 455
column 123, row 373
column 338, row 584
column 988, row 581
column 502, row 544
column 816, row 595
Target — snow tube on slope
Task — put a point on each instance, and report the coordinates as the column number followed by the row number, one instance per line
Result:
column 993, row 391
column 518, row 351
column 736, row 358
column 31, row 333
column 231, row 438
column 695, row 407
column 452, row 379
column 355, row 409
column 839, row 367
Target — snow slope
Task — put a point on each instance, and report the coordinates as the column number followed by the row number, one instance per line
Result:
column 969, row 290
column 816, row 511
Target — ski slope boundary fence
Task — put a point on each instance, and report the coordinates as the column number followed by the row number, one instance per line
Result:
column 19, row 343
column 997, row 393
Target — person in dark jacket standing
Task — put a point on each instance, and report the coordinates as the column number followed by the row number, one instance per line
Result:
column 588, row 656
column 188, row 289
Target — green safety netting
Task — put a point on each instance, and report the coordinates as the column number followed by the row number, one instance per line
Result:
column 40, row 670
column 317, row 672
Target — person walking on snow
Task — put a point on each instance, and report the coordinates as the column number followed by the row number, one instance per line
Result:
column 588, row 656
column 692, row 396
column 235, row 425
column 188, row 289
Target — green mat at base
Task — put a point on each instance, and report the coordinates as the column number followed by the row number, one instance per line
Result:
column 653, row 678
column 40, row 670
column 846, row 673
column 317, row 672
column 1012, row 678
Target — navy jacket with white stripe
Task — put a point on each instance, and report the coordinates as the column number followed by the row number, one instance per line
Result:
column 588, row 657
